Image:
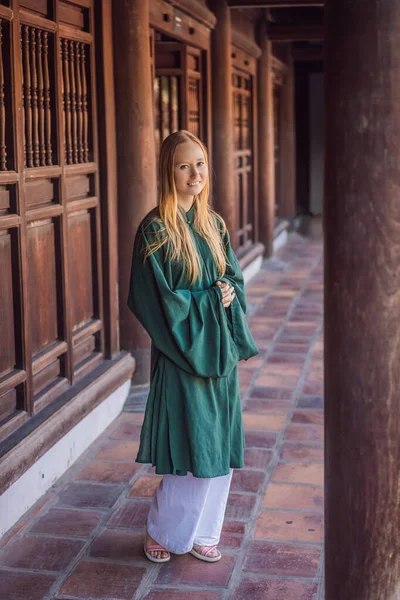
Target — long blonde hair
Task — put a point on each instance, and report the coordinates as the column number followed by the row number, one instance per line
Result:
column 174, row 230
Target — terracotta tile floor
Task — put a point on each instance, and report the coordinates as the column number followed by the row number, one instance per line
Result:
column 83, row 539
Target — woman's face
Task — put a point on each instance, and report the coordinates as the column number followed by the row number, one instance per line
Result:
column 190, row 171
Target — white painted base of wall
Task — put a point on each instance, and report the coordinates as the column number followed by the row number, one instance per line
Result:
column 22, row 494
column 280, row 240
column 252, row 269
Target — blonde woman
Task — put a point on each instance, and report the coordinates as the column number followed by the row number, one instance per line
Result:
column 187, row 291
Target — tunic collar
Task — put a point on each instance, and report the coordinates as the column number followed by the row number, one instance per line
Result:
column 190, row 213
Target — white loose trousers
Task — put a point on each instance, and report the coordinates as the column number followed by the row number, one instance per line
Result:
column 188, row 511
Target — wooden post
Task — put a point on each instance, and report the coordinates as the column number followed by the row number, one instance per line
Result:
column 222, row 119
column 136, row 156
column 362, row 300
column 266, row 170
column 287, row 178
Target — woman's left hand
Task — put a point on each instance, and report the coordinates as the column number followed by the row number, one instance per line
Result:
column 227, row 291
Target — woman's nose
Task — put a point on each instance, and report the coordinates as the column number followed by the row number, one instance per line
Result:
column 194, row 172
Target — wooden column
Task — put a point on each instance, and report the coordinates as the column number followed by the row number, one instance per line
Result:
column 223, row 189
column 362, row 300
column 136, row 155
column 266, row 170
column 287, row 179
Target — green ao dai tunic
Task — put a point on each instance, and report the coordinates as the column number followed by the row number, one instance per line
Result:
column 193, row 419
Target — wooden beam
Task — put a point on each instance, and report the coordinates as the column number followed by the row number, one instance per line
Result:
column 273, row 3
column 295, row 33
column 307, row 54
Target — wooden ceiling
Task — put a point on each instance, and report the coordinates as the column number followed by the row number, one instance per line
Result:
column 273, row 3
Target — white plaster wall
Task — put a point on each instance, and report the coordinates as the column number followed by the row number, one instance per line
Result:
column 316, row 83
column 252, row 269
column 35, row 482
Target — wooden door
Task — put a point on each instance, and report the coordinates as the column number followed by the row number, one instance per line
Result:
column 51, row 315
column 243, row 114
column 178, row 89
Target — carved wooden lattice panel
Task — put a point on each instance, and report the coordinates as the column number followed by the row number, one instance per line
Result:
column 75, row 88
column 37, row 101
column 243, row 98
column 51, row 322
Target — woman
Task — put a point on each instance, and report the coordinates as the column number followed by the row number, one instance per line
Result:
column 187, row 291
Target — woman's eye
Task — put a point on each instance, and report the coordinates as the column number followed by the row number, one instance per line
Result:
column 200, row 164
column 183, row 167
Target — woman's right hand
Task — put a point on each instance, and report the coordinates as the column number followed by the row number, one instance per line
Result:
column 227, row 291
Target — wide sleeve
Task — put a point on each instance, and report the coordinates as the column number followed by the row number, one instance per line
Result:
column 189, row 328
column 242, row 336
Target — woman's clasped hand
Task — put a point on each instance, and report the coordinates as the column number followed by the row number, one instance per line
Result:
column 228, row 293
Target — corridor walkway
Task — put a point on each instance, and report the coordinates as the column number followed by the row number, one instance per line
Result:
column 83, row 539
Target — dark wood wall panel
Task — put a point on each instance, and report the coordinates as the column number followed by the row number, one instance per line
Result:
column 37, row 6
column 42, row 284
column 46, row 376
column 74, row 15
column 8, row 404
column 7, row 354
column 84, row 349
column 40, row 192
column 5, row 200
column 78, row 187
column 80, row 268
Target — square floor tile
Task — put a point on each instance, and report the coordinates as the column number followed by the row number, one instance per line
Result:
column 132, row 514
column 308, row 417
column 103, row 580
column 187, row 570
column 61, row 521
column 118, row 450
column 108, row 471
column 292, row 496
column 89, row 495
column 282, row 560
column 15, row 585
column 145, row 486
column 174, row 594
column 257, row 458
column 292, row 472
column 304, row 433
column 275, row 589
column 306, row 452
column 127, row 431
column 40, row 553
column 240, row 506
column 263, row 422
column 285, row 525
column 260, row 439
column 247, row 481
column 119, row 545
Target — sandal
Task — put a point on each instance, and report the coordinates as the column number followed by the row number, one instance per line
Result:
column 155, row 548
column 203, row 554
